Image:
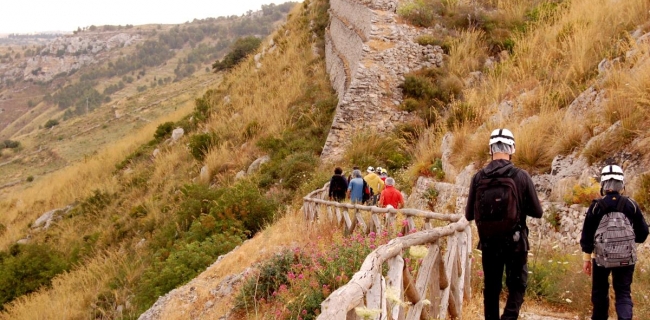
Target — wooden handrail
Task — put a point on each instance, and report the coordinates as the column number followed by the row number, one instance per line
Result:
column 437, row 290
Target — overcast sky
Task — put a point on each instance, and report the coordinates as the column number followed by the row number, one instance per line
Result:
column 26, row 16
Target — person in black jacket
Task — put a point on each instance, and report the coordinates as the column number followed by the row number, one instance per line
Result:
column 338, row 185
column 511, row 250
column 611, row 182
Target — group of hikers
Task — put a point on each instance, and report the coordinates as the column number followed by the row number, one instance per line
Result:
column 375, row 188
column 500, row 198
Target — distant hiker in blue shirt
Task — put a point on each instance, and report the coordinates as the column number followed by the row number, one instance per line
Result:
column 355, row 187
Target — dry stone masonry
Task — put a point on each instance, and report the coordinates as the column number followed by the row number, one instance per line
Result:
column 367, row 54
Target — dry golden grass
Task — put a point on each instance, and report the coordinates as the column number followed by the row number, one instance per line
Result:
column 75, row 182
column 72, row 293
column 467, row 53
column 552, row 62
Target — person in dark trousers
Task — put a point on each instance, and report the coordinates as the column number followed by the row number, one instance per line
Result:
column 611, row 182
column 510, row 249
column 338, row 185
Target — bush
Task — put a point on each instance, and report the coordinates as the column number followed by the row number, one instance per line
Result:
column 417, row 12
column 163, row 130
column 244, row 202
column 200, row 145
column 583, row 193
column 51, row 123
column 9, row 144
column 26, row 268
column 184, row 262
column 239, row 50
column 378, row 150
column 30, row 179
column 271, row 276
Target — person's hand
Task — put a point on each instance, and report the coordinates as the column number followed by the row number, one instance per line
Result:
column 586, row 267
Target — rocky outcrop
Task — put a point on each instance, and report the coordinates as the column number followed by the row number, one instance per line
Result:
column 66, row 54
column 46, row 220
column 367, row 53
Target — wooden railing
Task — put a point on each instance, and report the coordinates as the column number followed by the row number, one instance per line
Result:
column 436, row 290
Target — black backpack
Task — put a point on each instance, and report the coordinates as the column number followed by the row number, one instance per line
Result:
column 367, row 192
column 496, row 209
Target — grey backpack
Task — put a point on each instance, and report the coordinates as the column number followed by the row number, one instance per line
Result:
column 614, row 239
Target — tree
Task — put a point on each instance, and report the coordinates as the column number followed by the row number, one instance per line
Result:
column 239, row 50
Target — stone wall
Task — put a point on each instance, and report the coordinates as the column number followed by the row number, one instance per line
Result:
column 367, row 55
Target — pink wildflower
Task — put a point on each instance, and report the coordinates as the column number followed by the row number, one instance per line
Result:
column 291, row 275
column 372, row 235
column 300, row 276
column 399, row 234
column 304, row 312
column 413, row 231
column 405, row 222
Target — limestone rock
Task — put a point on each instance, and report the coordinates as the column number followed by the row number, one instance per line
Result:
column 240, row 175
column 45, row 220
column 156, row 152
column 177, row 134
column 255, row 166
column 205, row 174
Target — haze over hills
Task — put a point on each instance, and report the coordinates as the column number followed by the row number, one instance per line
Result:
column 104, row 81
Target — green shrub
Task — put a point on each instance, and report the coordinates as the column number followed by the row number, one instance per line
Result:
column 163, row 130
column 30, row 179
column 27, row 268
column 200, row 144
column 417, row 87
column 51, row 123
column 272, row 274
column 429, row 40
column 244, row 202
column 9, row 144
column 417, row 12
column 181, row 265
column 239, row 50
column 552, row 216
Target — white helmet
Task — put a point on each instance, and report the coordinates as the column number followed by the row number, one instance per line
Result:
column 370, row 169
column 611, row 172
column 502, row 135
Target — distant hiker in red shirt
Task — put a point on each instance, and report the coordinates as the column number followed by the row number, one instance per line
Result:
column 391, row 196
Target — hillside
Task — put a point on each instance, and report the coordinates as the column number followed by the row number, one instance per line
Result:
column 154, row 210
column 64, row 98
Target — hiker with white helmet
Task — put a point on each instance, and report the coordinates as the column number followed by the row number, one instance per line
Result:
column 612, row 226
column 500, row 198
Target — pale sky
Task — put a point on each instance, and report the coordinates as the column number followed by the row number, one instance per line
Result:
column 26, row 16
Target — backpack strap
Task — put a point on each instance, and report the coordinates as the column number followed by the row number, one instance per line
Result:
column 621, row 204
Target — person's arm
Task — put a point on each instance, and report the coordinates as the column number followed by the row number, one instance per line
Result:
column 469, row 209
column 400, row 204
column 381, row 200
column 532, row 207
column 639, row 224
column 589, row 227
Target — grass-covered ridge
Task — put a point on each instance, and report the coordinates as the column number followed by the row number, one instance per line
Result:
column 143, row 225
